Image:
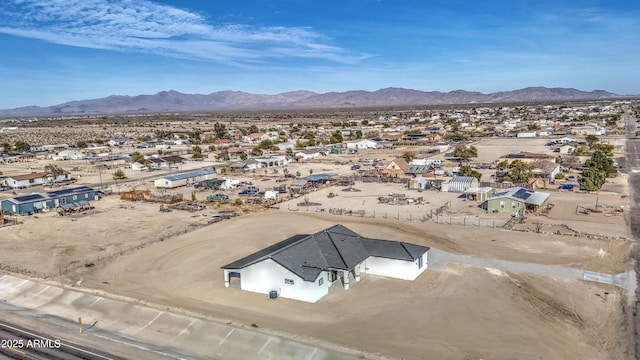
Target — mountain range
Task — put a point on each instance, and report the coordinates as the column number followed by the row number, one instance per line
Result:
column 174, row 101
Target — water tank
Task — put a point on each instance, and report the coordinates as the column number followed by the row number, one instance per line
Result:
column 273, row 294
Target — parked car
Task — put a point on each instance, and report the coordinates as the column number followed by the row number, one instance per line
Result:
column 571, row 178
column 217, row 197
column 355, row 167
column 249, row 191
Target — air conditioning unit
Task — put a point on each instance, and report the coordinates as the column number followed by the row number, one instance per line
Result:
column 273, row 294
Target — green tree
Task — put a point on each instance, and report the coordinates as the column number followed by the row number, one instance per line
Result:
column 591, row 140
column 253, row 129
column 600, row 161
column 265, row 144
column 408, row 156
column 220, row 130
column 196, row 153
column 54, row 171
column 607, row 149
column 6, row 147
column 466, row 170
column 21, row 146
column 465, row 152
column 336, row 137
column 136, row 156
column 244, row 156
column 119, row 175
column 82, row 144
column 519, row 172
column 580, row 150
column 592, row 179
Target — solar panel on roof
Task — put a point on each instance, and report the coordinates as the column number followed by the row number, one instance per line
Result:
column 27, row 198
column 62, row 192
column 522, row 194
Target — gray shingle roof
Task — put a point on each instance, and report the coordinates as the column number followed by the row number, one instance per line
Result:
column 336, row 248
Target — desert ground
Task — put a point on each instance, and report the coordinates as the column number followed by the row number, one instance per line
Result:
column 173, row 260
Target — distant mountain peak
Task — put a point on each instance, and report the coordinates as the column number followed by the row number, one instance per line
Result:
column 175, row 101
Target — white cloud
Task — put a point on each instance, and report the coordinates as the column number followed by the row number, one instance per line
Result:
column 145, row 26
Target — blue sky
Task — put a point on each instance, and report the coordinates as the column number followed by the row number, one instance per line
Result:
column 55, row 51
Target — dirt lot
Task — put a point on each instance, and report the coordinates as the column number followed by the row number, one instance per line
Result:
column 461, row 313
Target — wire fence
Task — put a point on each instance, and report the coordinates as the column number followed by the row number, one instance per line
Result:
column 437, row 216
column 76, row 266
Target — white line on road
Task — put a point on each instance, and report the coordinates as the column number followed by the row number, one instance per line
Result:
column 22, row 283
column 188, row 326
column 264, row 346
column 225, row 338
column 51, row 340
column 41, row 291
column 94, row 302
column 152, row 320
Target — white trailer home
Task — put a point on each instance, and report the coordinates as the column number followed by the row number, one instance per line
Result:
column 184, row 179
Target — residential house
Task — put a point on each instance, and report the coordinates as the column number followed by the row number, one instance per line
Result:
column 396, row 168
column 120, row 141
column 517, row 201
column 543, row 173
column 304, row 267
column 35, row 179
column 184, row 179
column 362, row 144
column 270, row 161
column 526, row 157
column 36, row 202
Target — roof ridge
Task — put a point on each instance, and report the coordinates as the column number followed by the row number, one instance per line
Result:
column 334, row 245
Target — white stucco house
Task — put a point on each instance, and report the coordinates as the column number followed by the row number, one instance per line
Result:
column 361, row 144
column 304, row 267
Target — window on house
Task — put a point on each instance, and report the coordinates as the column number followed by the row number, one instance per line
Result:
column 75, row 197
column 513, row 205
column 420, row 262
column 86, row 196
column 63, row 200
column 320, row 282
column 288, row 281
column 501, row 204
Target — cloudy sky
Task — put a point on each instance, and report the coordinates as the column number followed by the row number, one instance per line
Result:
column 55, row 51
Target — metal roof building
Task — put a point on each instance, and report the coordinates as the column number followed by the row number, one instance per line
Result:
column 184, row 179
column 36, row 202
column 459, row 184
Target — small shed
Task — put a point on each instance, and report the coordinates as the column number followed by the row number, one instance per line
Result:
column 459, row 184
column 480, row 194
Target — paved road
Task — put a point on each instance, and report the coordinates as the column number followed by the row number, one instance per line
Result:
column 439, row 259
column 631, row 166
column 17, row 342
column 153, row 330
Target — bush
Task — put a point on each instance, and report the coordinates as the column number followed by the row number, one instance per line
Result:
column 559, row 176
